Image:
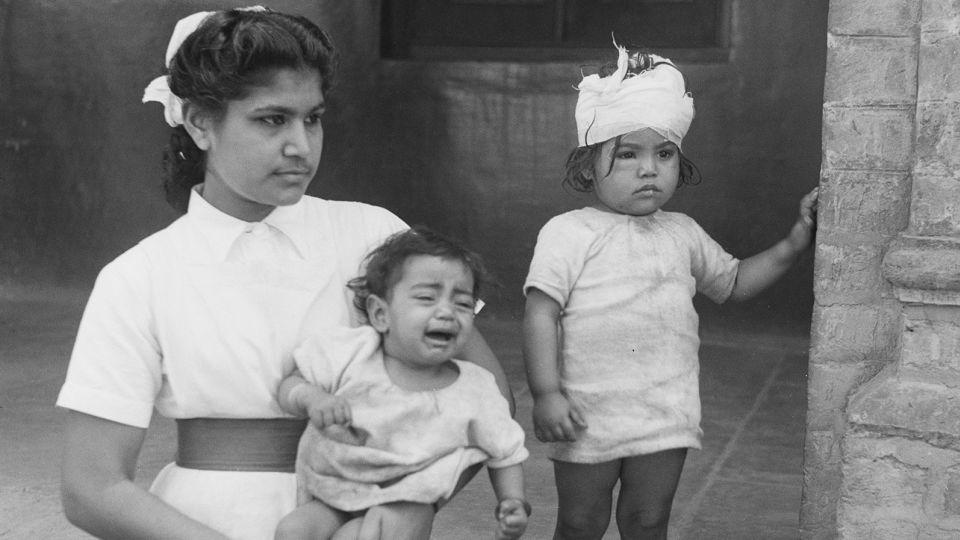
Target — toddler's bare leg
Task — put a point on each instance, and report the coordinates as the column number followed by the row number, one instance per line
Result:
column 647, row 486
column 310, row 521
column 585, row 494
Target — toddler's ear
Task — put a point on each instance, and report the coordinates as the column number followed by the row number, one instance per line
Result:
column 377, row 313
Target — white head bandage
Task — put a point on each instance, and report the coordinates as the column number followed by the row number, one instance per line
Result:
column 159, row 90
column 623, row 102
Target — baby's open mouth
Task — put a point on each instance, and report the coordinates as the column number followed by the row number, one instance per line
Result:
column 441, row 335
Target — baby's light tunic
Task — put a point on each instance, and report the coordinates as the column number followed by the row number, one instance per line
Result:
column 401, row 445
column 200, row 320
column 629, row 353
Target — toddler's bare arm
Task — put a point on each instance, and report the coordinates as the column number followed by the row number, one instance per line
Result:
column 554, row 417
column 763, row 269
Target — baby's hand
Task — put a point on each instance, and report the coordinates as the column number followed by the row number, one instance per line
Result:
column 556, row 419
column 802, row 232
column 326, row 410
column 511, row 519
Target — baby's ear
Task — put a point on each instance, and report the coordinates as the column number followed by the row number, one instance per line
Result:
column 377, row 313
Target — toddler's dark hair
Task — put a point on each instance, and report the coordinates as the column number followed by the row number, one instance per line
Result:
column 228, row 54
column 579, row 171
column 384, row 265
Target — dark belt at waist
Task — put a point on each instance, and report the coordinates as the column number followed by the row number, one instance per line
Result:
column 239, row 444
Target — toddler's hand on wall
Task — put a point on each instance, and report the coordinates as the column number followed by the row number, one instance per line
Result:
column 802, row 232
column 555, row 419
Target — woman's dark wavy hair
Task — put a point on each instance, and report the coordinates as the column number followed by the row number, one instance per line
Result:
column 579, row 171
column 228, row 54
column 384, row 265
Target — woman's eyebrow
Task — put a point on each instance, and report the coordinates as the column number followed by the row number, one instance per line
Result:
column 287, row 110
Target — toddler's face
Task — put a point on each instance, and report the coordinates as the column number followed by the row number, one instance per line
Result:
column 430, row 311
column 644, row 175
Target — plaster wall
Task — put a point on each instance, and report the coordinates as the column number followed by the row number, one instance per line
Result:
column 474, row 149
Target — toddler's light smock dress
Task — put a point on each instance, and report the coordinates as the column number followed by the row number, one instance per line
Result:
column 200, row 320
column 629, row 353
column 401, row 445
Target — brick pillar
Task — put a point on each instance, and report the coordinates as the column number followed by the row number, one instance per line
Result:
column 882, row 458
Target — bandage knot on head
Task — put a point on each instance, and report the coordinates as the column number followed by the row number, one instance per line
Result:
column 652, row 95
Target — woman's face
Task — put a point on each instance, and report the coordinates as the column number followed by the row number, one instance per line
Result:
column 265, row 149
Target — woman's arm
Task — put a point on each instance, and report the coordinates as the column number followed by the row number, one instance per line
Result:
column 758, row 272
column 554, row 418
column 477, row 351
column 97, row 488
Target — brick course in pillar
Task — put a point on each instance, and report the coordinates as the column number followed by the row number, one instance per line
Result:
column 864, row 202
column 821, row 469
column 867, row 138
column 860, row 334
column 873, row 18
column 936, row 205
column 940, row 18
column 938, row 139
column 898, row 487
column 951, row 499
column 869, row 135
column 938, row 78
column 871, row 71
column 847, row 269
column 931, row 345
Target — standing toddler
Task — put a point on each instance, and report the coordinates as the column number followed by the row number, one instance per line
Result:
column 610, row 331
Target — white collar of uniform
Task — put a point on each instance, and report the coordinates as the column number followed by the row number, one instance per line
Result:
column 222, row 230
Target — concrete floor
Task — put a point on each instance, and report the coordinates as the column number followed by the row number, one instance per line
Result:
column 744, row 484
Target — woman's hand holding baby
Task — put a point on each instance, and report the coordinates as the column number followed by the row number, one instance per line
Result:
column 555, row 419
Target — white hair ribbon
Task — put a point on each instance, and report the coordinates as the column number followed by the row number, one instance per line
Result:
column 623, row 102
column 159, row 89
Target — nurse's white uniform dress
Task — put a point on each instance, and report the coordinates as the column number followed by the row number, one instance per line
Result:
column 200, row 319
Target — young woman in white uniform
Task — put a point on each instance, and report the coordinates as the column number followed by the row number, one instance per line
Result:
column 199, row 319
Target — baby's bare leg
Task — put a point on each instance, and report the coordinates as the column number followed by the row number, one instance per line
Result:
column 311, row 521
column 396, row 521
column 349, row 531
